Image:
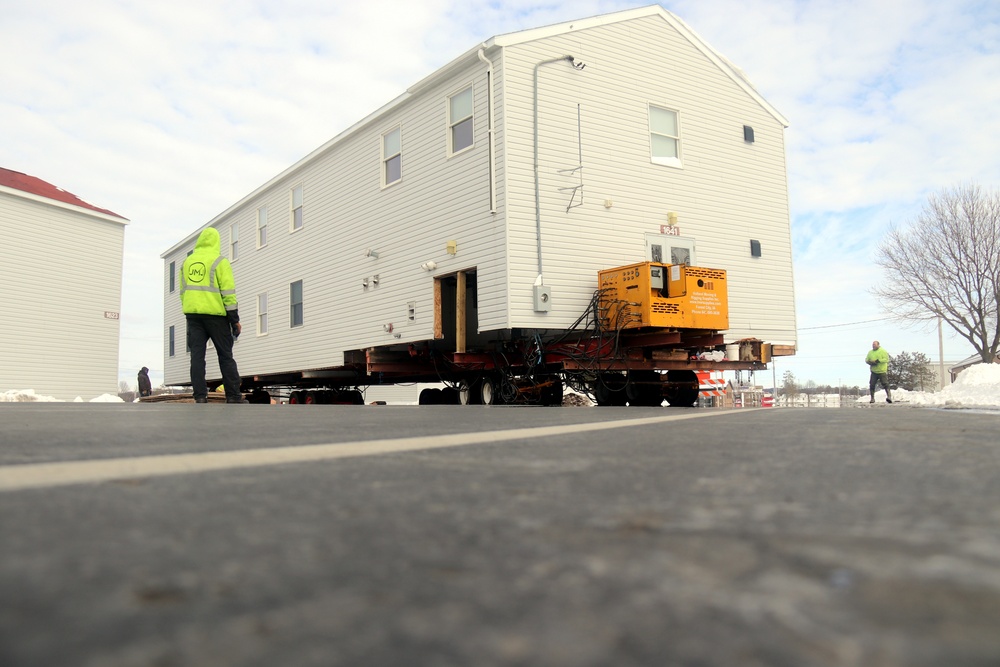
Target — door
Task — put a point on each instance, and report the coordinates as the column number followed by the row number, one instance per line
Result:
column 669, row 249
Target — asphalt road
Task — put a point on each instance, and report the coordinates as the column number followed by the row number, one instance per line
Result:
column 169, row 535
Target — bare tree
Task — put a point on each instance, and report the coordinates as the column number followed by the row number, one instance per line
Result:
column 125, row 391
column 947, row 264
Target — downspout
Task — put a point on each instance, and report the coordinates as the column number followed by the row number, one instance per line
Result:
column 489, row 117
column 538, row 205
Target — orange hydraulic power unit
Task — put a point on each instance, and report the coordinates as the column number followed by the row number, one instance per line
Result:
column 674, row 296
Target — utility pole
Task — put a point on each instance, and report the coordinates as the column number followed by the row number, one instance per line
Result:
column 941, row 352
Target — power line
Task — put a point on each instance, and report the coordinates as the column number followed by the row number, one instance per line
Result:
column 846, row 324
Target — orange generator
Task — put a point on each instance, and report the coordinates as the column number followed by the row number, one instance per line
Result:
column 673, row 296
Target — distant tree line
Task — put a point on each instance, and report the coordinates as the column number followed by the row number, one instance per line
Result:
column 907, row 370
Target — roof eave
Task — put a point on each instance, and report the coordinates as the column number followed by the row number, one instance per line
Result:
column 90, row 212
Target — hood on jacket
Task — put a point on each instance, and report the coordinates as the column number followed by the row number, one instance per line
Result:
column 209, row 240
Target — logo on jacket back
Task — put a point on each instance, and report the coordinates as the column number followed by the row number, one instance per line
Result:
column 196, row 272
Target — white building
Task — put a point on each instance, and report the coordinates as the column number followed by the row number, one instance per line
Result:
column 62, row 267
column 648, row 143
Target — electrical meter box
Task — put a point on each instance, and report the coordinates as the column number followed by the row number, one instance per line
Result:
column 651, row 294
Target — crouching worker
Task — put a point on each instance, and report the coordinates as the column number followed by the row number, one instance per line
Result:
column 208, row 298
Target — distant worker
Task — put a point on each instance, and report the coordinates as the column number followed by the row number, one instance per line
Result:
column 208, row 298
column 145, row 386
column 878, row 361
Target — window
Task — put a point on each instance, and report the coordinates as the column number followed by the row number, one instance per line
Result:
column 171, row 345
column 173, row 271
column 296, row 301
column 296, row 208
column 262, row 314
column 664, row 136
column 262, row 227
column 234, row 242
column 392, row 158
column 460, row 123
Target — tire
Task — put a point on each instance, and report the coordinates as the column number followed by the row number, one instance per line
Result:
column 295, row 398
column 468, row 392
column 449, row 396
column 260, row 397
column 682, row 389
column 428, row 396
column 644, row 389
column 609, row 389
column 489, row 391
column 553, row 393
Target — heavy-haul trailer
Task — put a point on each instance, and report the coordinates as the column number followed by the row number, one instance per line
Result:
column 648, row 328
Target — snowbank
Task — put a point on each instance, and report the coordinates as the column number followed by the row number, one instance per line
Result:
column 976, row 387
column 29, row 396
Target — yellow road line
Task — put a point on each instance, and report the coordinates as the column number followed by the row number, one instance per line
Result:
column 65, row 473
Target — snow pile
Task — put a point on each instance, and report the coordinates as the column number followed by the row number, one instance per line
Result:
column 25, row 396
column 29, row 396
column 976, row 387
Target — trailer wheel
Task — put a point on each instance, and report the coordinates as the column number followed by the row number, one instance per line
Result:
column 609, row 389
column 354, row 397
column 644, row 389
column 552, row 394
column 260, row 396
column 682, row 389
column 468, row 392
column 295, row 398
column 489, row 391
column 429, row 396
column 449, row 396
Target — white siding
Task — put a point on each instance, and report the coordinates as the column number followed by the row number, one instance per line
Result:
column 727, row 192
column 347, row 212
column 62, row 269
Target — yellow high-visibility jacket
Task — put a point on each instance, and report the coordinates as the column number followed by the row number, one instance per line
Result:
column 207, row 283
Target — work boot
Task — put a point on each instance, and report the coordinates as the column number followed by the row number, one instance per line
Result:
column 872, row 399
column 201, row 400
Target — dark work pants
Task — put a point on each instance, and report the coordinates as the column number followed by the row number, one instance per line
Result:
column 875, row 380
column 201, row 329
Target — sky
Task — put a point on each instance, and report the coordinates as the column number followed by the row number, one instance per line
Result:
column 168, row 113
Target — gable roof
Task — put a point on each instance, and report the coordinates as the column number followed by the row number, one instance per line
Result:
column 32, row 185
column 731, row 70
column 492, row 44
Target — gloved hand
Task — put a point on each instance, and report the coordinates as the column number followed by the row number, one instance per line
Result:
column 236, row 328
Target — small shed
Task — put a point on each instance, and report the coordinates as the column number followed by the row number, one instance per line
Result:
column 62, row 267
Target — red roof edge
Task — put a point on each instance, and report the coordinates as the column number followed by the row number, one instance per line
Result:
column 36, row 186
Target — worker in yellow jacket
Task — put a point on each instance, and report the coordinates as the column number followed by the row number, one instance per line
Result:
column 878, row 362
column 208, row 298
